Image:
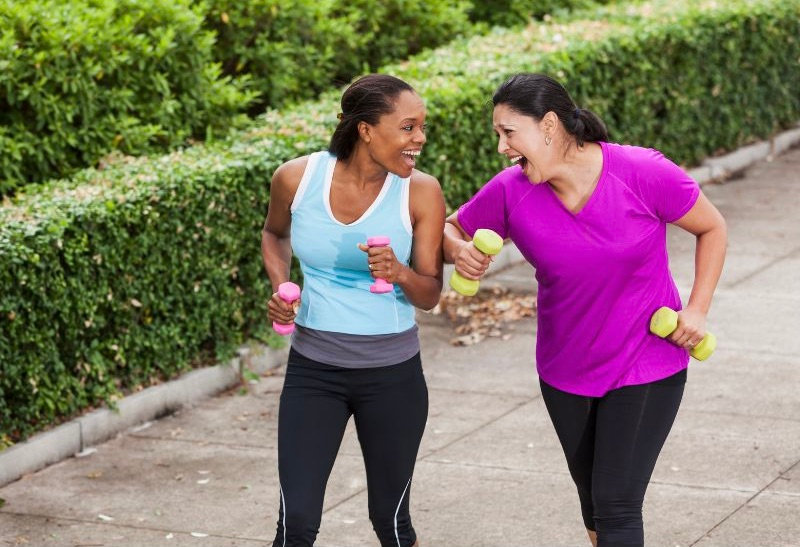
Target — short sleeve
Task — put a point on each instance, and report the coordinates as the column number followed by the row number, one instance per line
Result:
column 667, row 188
column 487, row 208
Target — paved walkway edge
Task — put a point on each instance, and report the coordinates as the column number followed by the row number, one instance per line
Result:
column 97, row 426
column 154, row 402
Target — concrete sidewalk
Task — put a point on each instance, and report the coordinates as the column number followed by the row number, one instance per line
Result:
column 490, row 471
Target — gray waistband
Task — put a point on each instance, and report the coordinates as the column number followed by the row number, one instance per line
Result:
column 356, row 350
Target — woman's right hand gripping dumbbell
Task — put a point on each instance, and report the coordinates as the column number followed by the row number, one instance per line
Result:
column 474, row 258
column 470, row 262
column 283, row 306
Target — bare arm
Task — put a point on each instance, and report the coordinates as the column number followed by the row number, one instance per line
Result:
column 706, row 223
column 422, row 281
column 276, row 249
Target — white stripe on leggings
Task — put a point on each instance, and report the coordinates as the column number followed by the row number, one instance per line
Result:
column 283, row 502
column 396, row 535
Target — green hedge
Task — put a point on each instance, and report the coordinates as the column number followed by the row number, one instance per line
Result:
column 119, row 277
column 509, row 13
column 81, row 78
column 293, row 50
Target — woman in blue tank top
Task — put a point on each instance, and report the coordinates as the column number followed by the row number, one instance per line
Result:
column 355, row 351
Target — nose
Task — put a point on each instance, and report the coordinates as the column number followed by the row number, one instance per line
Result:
column 419, row 136
column 501, row 145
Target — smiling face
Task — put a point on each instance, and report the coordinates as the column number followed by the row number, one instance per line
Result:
column 397, row 139
column 522, row 140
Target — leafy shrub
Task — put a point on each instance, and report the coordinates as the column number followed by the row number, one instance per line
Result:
column 79, row 79
column 293, row 50
column 119, row 277
column 510, row 13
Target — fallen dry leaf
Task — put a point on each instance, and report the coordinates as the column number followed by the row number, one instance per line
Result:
column 487, row 314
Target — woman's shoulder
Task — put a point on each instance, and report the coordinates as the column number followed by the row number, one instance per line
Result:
column 291, row 170
column 424, row 189
column 287, row 178
column 421, row 179
column 629, row 155
column 289, row 174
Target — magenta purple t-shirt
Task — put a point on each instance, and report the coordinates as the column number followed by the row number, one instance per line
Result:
column 602, row 272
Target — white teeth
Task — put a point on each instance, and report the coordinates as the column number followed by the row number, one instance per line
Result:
column 411, row 152
column 515, row 159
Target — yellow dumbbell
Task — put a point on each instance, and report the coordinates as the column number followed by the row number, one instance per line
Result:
column 665, row 321
column 489, row 243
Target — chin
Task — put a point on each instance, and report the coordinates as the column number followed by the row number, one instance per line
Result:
column 404, row 172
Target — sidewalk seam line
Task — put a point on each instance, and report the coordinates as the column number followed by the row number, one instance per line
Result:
column 751, row 498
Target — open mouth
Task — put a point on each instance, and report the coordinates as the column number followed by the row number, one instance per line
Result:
column 410, row 157
column 519, row 160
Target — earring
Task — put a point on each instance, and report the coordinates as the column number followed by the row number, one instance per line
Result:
column 547, row 140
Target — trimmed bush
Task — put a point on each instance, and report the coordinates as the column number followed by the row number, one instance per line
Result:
column 118, row 278
column 293, row 50
column 511, row 13
column 82, row 78
column 122, row 278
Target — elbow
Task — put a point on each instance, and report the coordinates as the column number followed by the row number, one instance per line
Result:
column 433, row 299
column 720, row 232
column 430, row 299
column 428, row 306
column 433, row 302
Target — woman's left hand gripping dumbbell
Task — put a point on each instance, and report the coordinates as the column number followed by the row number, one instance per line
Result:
column 283, row 307
column 382, row 262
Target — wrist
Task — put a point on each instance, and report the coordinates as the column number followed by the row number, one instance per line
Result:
column 454, row 249
column 697, row 307
column 403, row 275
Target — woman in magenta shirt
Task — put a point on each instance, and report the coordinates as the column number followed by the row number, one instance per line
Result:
column 591, row 217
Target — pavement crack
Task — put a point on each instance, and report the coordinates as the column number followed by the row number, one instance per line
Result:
column 202, row 442
column 482, row 426
column 345, row 500
column 743, row 505
column 763, row 268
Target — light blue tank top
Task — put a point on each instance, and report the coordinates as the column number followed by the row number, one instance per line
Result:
column 336, row 279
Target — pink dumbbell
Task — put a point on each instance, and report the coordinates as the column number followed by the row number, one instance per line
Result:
column 380, row 286
column 288, row 292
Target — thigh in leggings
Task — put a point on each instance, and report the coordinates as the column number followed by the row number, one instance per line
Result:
column 389, row 405
column 390, row 418
column 313, row 413
column 626, row 430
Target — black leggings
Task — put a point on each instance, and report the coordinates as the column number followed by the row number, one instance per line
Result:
column 611, row 444
column 390, row 407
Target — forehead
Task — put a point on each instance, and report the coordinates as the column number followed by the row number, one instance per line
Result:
column 505, row 115
column 408, row 105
